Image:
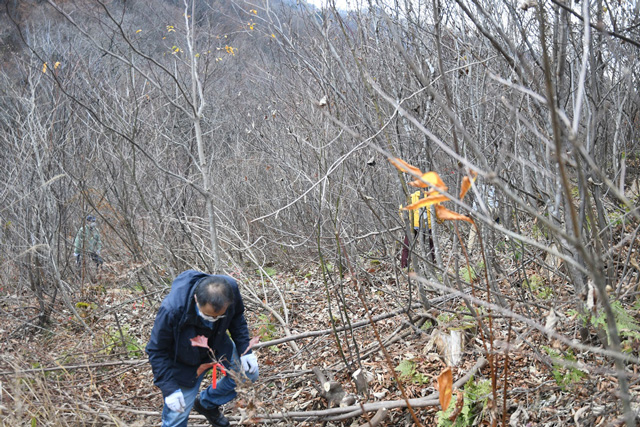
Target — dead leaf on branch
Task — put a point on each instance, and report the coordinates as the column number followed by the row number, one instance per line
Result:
column 427, row 201
column 427, row 179
column 200, row 341
column 204, row 367
column 434, row 197
column 254, row 341
column 447, row 215
column 445, row 388
column 466, row 184
column 404, row 166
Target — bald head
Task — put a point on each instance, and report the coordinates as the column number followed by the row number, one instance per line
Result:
column 214, row 291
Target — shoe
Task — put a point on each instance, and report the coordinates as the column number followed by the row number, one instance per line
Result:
column 214, row 416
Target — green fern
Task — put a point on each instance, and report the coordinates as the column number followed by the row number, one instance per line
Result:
column 565, row 376
column 406, row 368
column 408, row 372
column 476, row 396
column 627, row 325
column 468, row 274
column 267, row 331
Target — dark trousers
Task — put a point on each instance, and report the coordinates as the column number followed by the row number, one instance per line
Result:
column 404, row 258
column 97, row 259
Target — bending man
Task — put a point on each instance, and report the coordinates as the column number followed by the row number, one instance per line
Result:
column 206, row 305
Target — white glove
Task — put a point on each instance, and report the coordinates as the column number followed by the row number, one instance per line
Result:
column 175, row 401
column 249, row 363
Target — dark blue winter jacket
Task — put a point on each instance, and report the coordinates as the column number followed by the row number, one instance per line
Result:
column 173, row 359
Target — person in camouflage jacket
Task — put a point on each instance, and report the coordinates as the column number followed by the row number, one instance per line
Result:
column 88, row 242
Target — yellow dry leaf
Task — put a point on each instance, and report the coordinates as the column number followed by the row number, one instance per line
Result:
column 431, row 178
column 44, row 67
column 466, row 184
column 404, row 166
column 445, row 388
column 204, row 367
column 447, row 215
column 427, row 201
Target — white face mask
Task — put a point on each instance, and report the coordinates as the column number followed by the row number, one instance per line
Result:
column 210, row 319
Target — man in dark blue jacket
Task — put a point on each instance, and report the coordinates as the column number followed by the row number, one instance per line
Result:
column 205, row 305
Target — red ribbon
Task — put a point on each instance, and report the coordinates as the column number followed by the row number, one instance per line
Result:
column 214, row 380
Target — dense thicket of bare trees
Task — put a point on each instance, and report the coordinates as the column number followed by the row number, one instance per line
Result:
column 214, row 134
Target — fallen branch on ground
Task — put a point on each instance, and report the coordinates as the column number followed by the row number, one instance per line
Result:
column 377, row 418
column 330, row 331
column 338, row 414
column 70, row 367
column 359, row 324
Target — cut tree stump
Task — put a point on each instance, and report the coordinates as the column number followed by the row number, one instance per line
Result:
column 332, row 390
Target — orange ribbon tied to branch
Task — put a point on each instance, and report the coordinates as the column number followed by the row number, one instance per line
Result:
column 215, row 365
column 202, row 341
column 214, row 380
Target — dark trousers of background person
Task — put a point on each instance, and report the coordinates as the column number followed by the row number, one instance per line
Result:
column 404, row 258
column 97, row 259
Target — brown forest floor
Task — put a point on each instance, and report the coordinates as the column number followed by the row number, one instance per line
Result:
column 117, row 388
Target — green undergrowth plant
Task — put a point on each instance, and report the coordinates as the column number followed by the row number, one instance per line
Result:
column 538, row 232
column 565, row 375
column 475, row 397
column 627, row 325
column 426, row 325
column 536, row 285
column 267, row 330
column 138, row 287
column 445, row 317
column 616, row 218
column 85, row 309
column 409, row 372
column 113, row 339
column 468, row 321
column 269, row 271
column 468, row 274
